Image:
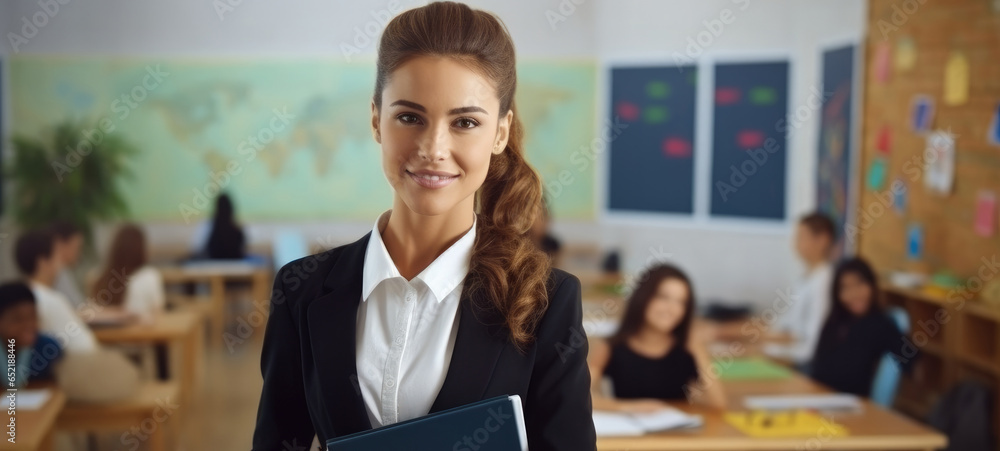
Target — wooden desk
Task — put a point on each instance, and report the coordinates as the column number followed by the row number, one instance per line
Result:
column 144, row 416
column 216, row 275
column 34, row 427
column 873, row 429
column 181, row 329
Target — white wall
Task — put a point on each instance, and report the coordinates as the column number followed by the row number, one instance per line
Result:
column 298, row 27
column 6, row 231
column 725, row 262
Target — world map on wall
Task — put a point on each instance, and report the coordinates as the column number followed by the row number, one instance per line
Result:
column 288, row 139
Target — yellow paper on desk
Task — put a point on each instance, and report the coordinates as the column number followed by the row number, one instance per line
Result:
column 797, row 423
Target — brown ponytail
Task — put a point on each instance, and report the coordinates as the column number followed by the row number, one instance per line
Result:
column 507, row 267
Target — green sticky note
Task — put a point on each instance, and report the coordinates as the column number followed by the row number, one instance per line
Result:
column 658, row 89
column 763, row 95
column 750, row 368
column 655, row 114
column 876, row 174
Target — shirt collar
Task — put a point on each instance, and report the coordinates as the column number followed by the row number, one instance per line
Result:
column 442, row 276
column 38, row 287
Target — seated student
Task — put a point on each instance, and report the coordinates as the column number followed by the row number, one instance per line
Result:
column 126, row 267
column 87, row 372
column 35, row 353
column 653, row 357
column 36, row 260
column 796, row 331
column 68, row 243
column 226, row 240
column 857, row 333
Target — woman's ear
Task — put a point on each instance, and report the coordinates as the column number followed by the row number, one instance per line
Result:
column 375, row 131
column 503, row 132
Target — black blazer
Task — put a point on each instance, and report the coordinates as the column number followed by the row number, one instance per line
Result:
column 310, row 372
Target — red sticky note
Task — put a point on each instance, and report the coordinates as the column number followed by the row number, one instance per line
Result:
column 882, row 66
column 628, row 111
column 986, row 208
column 727, row 95
column 884, row 141
column 674, row 147
column 749, row 139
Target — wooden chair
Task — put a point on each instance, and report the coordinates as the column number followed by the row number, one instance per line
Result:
column 143, row 416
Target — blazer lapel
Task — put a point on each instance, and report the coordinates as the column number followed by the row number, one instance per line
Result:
column 481, row 338
column 332, row 322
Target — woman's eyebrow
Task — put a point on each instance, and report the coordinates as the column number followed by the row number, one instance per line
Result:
column 467, row 109
column 420, row 108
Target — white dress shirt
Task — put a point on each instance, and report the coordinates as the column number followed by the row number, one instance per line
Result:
column 144, row 294
column 406, row 329
column 57, row 319
column 67, row 285
column 804, row 318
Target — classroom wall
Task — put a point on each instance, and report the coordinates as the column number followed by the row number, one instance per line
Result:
column 950, row 242
column 732, row 263
column 6, row 236
column 725, row 261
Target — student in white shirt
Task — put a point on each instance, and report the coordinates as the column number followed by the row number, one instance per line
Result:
column 87, row 372
column 68, row 243
column 37, row 261
column 126, row 281
column 796, row 332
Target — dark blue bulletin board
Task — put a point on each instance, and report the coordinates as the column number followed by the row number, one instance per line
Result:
column 652, row 158
column 3, row 136
column 749, row 152
column 833, row 162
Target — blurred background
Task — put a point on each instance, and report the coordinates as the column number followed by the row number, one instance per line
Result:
column 691, row 132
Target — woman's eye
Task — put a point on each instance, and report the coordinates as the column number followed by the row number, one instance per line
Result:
column 408, row 118
column 466, row 123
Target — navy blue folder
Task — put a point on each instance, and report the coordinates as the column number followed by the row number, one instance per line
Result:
column 495, row 424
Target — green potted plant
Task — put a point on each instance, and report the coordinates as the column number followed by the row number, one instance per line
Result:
column 71, row 174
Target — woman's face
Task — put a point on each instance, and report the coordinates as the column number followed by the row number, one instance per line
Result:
column 667, row 307
column 855, row 293
column 438, row 127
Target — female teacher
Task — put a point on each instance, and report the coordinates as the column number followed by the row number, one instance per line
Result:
column 447, row 300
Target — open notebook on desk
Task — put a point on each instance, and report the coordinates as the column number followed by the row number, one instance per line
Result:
column 611, row 424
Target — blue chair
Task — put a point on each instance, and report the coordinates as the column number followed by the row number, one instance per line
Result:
column 288, row 246
column 889, row 372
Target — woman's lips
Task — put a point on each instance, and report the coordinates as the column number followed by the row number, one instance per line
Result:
column 432, row 179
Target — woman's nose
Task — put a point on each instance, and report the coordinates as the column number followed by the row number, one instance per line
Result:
column 435, row 144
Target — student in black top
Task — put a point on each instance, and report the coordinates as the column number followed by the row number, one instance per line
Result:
column 226, row 240
column 856, row 334
column 653, row 357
